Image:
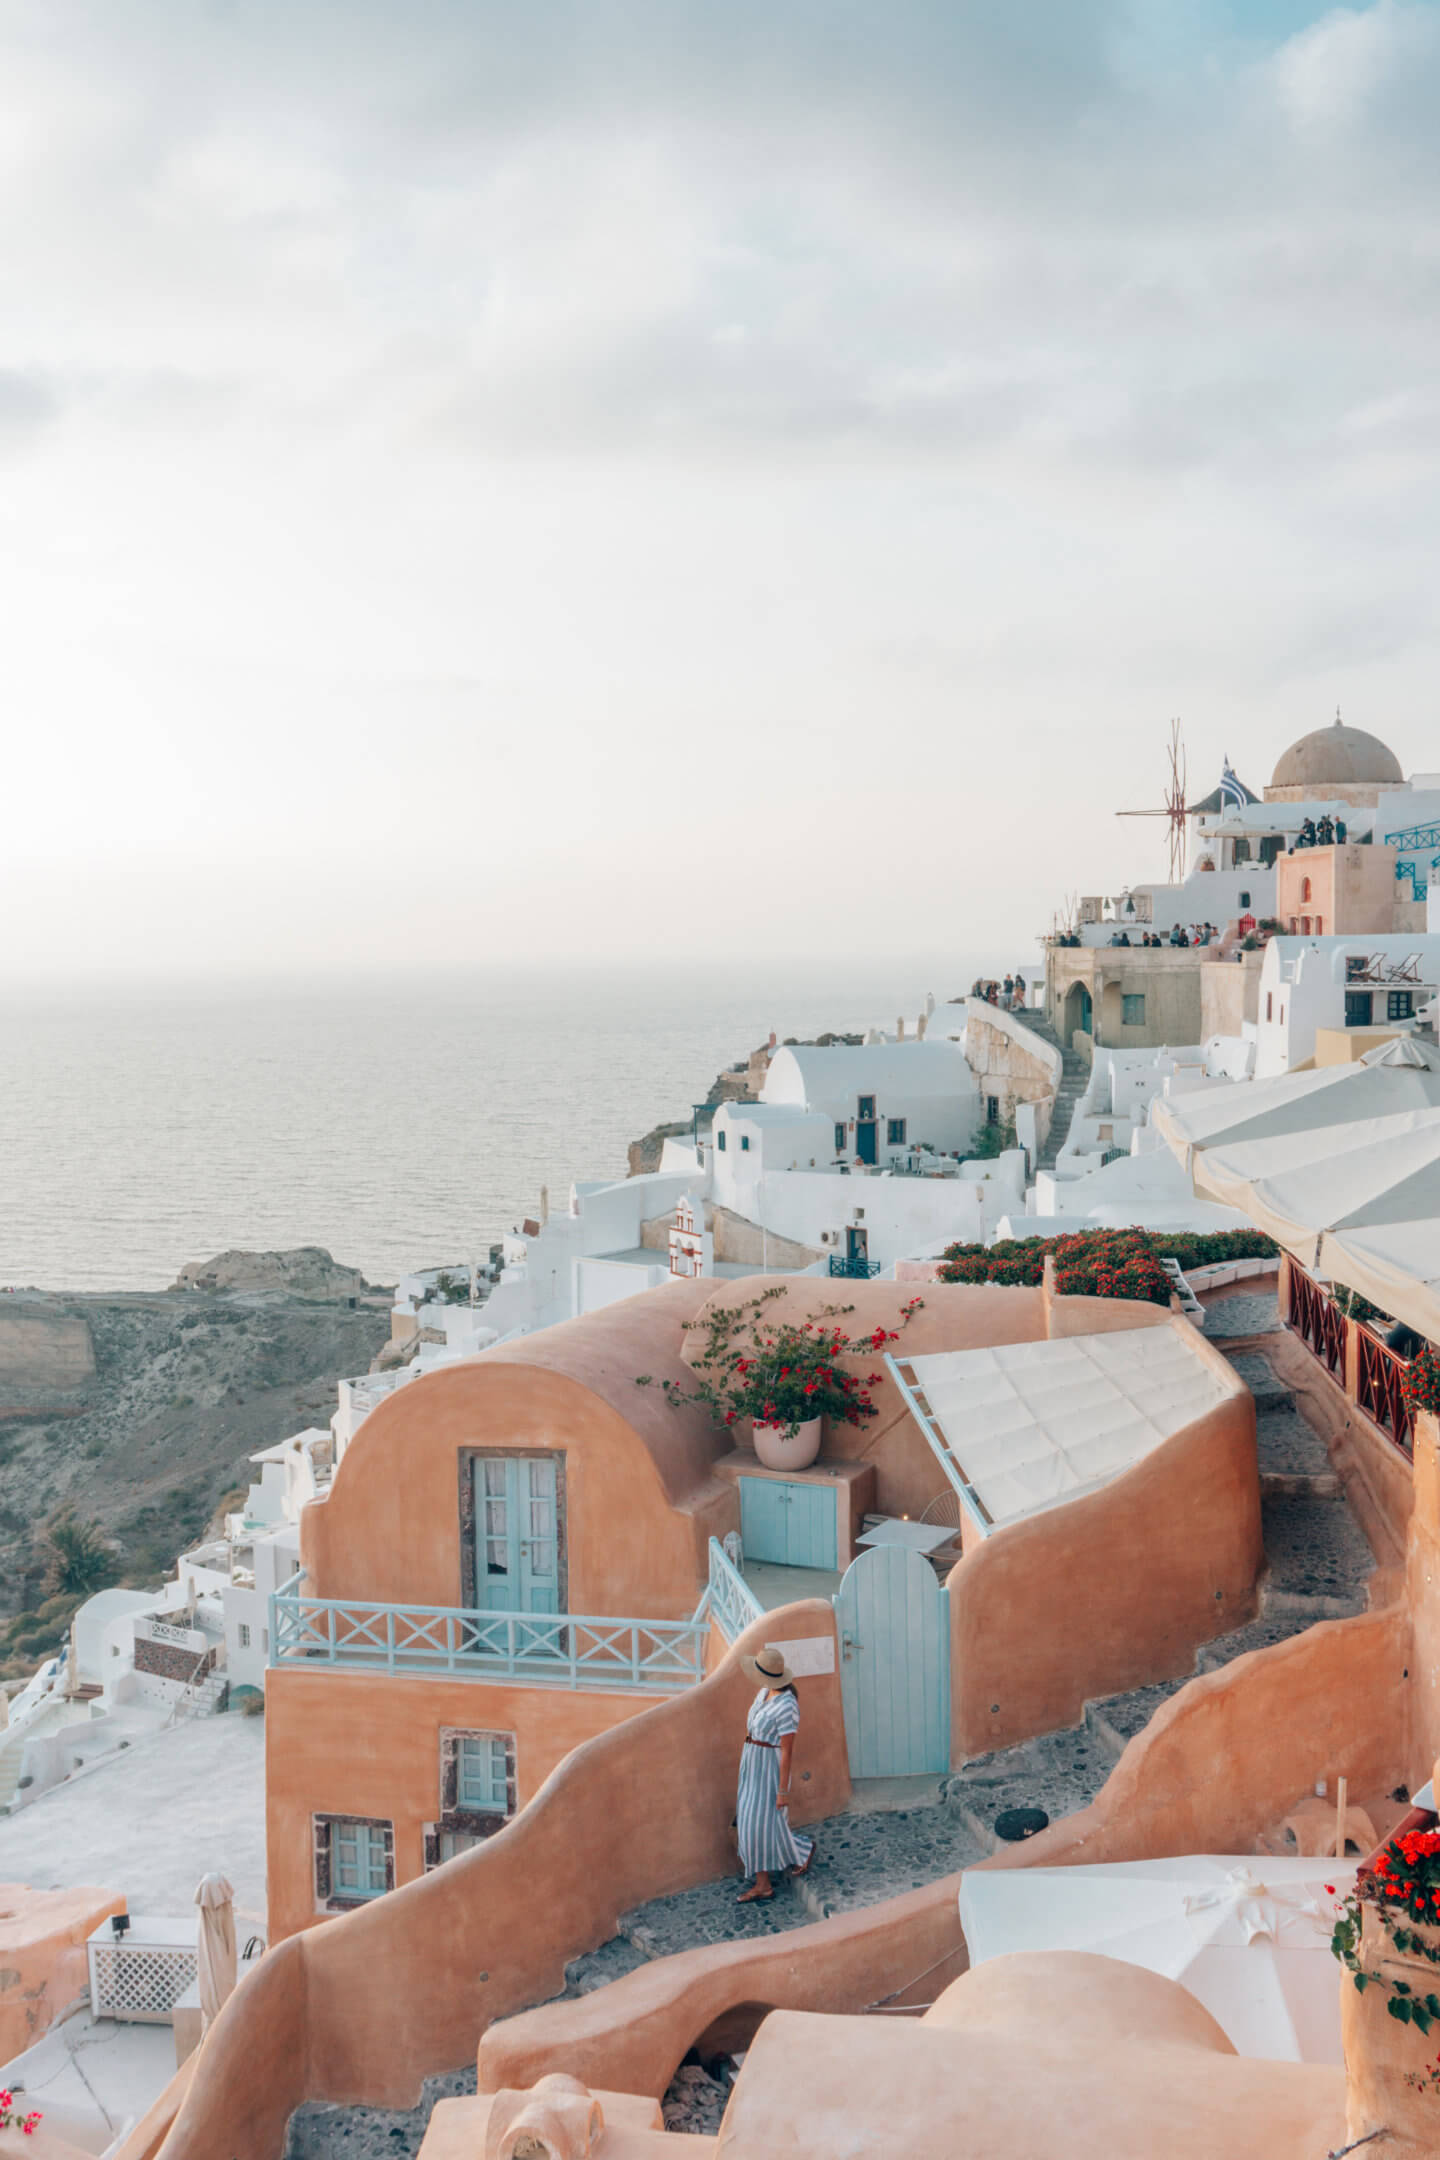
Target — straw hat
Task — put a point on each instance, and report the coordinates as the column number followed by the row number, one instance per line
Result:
column 769, row 1668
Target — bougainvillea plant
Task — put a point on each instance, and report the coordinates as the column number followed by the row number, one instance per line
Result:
column 781, row 1372
column 1421, row 1380
column 10, row 2120
column 1405, row 1885
column 1102, row 1263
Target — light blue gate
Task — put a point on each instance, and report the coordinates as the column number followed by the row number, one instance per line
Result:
column 893, row 1620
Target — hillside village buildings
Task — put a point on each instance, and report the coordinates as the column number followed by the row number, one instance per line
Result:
column 1114, row 1626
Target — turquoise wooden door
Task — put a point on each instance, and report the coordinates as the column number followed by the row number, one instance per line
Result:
column 787, row 1525
column 517, row 1542
column 893, row 1620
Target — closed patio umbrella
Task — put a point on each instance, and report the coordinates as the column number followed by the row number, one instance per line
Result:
column 215, row 1942
column 1249, row 1937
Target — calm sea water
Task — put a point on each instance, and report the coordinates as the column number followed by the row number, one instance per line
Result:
column 400, row 1125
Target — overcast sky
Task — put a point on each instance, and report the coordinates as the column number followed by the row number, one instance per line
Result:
column 615, row 479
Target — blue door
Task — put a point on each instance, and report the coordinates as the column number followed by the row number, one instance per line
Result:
column 893, row 1620
column 789, row 1525
column 517, row 1542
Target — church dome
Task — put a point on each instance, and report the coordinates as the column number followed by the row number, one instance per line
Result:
column 1337, row 757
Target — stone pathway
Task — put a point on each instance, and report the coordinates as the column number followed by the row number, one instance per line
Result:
column 1319, row 1567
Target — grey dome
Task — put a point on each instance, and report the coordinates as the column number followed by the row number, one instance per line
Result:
column 1337, row 756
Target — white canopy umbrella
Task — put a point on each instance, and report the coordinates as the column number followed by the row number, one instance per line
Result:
column 215, row 1939
column 1248, row 1937
column 1296, row 1186
column 1383, row 1084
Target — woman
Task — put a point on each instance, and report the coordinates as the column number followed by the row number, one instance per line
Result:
column 767, row 1843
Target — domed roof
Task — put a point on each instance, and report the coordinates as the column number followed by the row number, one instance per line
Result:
column 1337, row 755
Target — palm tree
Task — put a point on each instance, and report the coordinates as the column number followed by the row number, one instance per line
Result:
column 79, row 1558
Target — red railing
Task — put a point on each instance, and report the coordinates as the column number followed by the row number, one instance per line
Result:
column 1317, row 1321
column 1378, row 1390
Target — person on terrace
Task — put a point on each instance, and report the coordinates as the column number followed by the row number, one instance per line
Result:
column 767, row 1843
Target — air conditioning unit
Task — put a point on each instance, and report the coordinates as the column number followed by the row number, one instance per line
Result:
column 829, row 1237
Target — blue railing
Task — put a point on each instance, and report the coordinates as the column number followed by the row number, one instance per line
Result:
column 538, row 1649
column 858, row 1270
column 733, row 1604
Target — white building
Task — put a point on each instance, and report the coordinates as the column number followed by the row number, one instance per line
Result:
column 1360, row 982
column 881, row 1100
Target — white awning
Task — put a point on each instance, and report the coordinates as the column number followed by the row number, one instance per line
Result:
column 1352, row 1177
column 1313, row 1101
column 1025, row 1426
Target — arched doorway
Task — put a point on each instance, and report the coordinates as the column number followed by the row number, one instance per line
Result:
column 1077, row 1011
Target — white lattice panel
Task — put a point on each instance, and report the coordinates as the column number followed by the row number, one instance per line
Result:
column 141, row 1982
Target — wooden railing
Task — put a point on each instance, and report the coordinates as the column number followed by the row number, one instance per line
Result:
column 1378, row 1373
column 1378, row 1389
column 1317, row 1321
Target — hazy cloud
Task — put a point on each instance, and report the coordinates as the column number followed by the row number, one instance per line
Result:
column 875, row 410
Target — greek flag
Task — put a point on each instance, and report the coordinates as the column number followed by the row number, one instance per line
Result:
column 1232, row 793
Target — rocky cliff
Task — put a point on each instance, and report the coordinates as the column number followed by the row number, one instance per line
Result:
column 140, row 1412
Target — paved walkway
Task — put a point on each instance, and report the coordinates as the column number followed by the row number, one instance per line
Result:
column 153, row 1820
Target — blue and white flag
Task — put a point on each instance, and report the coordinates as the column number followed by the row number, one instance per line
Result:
column 1232, row 792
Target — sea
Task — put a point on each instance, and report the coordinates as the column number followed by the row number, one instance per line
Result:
column 400, row 1124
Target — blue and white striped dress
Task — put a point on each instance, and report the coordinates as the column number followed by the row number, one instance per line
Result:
column 767, row 1843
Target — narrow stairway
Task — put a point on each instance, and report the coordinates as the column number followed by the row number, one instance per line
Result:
column 1074, row 1079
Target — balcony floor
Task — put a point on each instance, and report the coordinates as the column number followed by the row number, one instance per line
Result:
column 774, row 1586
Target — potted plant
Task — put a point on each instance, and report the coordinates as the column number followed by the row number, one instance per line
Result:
column 784, row 1376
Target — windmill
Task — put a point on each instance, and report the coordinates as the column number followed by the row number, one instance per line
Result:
column 1174, row 808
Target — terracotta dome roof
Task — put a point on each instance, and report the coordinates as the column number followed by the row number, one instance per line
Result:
column 1336, row 755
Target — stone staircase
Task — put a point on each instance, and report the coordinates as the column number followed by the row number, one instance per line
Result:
column 1319, row 1563
column 1074, row 1080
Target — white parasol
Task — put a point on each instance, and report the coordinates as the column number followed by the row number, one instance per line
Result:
column 1248, row 1937
column 215, row 1942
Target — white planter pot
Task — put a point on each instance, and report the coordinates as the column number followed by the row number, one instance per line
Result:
column 778, row 1452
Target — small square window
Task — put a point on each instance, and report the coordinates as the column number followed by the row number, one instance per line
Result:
column 354, row 1860
column 244, row 1634
column 477, row 1781
column 1400, row 1005
column 895, row 1132
column 482, row 1762
column 744, row 1143
column 1132, row 1009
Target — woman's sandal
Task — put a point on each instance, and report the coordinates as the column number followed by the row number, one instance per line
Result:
column 799, row 1871
column 755, row 1897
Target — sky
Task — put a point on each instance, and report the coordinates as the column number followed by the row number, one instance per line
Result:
column 602, row 480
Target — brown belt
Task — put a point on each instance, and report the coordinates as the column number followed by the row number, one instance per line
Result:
column 758, row 1743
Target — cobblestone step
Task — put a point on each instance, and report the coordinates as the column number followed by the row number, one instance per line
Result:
column 1245, row 1314
column 1271, row 1393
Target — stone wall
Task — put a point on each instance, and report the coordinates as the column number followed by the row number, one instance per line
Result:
column 1229, row 994
column 996, row 1057
column 738, row 1239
